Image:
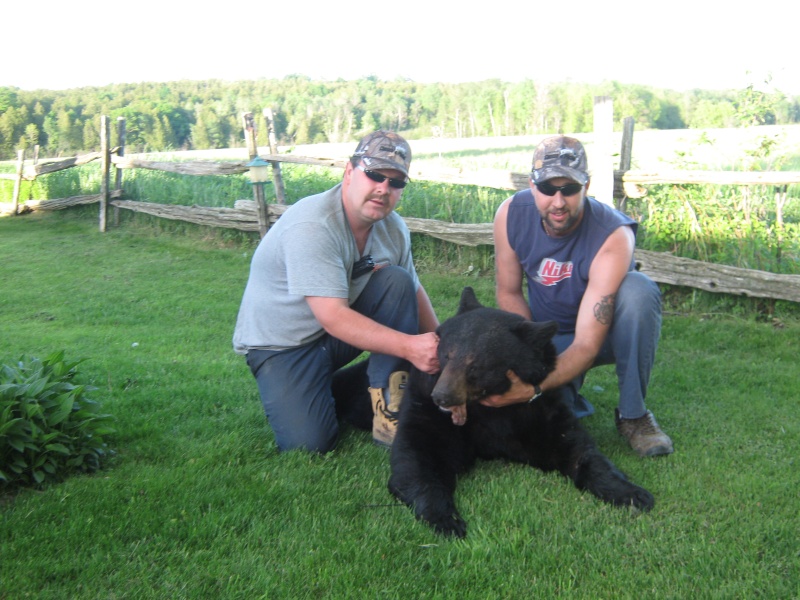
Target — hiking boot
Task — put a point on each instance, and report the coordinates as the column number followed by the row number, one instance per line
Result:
column 644, row 435
column 384, row 420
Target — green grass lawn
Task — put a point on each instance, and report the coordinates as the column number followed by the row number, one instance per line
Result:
column 197, row 502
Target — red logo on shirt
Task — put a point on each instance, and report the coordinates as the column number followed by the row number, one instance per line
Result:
column 551, row 271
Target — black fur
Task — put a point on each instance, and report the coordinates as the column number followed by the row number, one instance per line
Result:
column 477, row 348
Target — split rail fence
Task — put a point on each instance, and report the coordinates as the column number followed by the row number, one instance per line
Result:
column 255, row 215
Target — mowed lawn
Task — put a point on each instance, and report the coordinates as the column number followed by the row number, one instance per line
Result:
column 197, row 502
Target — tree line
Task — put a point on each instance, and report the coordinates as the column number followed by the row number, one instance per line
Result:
column 198, row 115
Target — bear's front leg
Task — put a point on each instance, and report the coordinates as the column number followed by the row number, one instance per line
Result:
column 598, row 475
column 424, row 468
column 558, row 440
column 428, row 453
column 434, row 505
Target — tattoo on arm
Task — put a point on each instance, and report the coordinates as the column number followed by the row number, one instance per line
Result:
column 604, row 310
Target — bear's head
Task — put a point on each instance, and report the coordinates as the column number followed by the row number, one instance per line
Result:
column 479, row 346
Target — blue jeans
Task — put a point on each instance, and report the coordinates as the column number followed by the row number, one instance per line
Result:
column 631, row 345
column 295, row 384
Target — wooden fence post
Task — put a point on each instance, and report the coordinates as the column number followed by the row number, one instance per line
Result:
column 18, row 180
column 600, row 163
column 277, row 177
column 249, row 125
column 105, row 151
column 122, row 134
column 35, row 162
column 625, row 155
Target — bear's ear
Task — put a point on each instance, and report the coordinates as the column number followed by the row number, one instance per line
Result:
column 535, row 334
column 468, row 301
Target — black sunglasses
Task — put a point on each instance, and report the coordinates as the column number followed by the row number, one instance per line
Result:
column 548, row 189
column 398, row 184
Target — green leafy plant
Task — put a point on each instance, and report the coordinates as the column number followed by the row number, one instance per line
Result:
column 48, row 425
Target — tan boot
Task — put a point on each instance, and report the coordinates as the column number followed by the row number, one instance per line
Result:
column 644, row 435
column 384, row 420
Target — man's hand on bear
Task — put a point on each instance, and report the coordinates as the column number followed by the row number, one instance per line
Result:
column 423, row 352
column 518, row 392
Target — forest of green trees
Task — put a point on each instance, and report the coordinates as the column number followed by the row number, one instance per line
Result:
column 207, row 114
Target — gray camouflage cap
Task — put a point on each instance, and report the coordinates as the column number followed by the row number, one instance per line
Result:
column 384, row 150
column 560, row 156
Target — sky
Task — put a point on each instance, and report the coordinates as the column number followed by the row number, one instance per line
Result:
column 680, row 45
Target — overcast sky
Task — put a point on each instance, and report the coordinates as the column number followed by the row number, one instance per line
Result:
column 680, row 44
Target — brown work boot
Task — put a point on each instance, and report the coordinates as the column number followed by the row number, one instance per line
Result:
column 644, row 435
column 384, row 420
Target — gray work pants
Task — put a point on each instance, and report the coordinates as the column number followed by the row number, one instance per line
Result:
column 295, row 384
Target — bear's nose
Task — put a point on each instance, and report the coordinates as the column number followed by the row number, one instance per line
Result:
column 439, row 394
column 439, row 398
column 445, row 399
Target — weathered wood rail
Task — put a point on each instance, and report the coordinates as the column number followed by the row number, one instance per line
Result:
column 245, row 216
column 660, row 266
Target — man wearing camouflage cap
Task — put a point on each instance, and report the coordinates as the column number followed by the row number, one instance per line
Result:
column 332, row 278
column 577, row 256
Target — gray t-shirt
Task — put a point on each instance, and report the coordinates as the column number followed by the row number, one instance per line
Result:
column 310, row 251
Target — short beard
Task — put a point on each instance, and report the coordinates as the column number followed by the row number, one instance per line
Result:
column 567, row 226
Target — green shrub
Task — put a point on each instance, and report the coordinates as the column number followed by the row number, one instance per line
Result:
column 48, row 425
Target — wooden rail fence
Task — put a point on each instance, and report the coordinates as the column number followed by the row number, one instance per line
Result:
column 252, row 215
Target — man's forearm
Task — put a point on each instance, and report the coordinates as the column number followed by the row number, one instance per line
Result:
column 513, row 302
column 571, row 363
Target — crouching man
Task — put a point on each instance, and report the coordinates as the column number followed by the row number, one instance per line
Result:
column 332, row 278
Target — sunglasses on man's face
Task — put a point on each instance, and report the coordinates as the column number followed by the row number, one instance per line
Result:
column 548, row 189
column 398, row 184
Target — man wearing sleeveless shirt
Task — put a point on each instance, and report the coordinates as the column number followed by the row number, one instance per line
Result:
column 576, row 255
column 332, row 278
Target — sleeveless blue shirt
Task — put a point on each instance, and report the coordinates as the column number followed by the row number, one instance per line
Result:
column 557, row 268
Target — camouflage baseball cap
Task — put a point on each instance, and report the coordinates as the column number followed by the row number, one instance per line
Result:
column 384, row 150
column 560, row 156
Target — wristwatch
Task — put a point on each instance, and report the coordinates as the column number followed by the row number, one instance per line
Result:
column 537, row 391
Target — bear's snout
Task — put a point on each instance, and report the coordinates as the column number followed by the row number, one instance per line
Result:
column 450, row 389
column 445, row 399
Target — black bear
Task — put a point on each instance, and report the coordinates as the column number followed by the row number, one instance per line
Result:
column 477, row 349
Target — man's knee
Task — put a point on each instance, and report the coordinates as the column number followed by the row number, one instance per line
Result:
column 390, row 298
column 396, row 279
column 298, row 423
column 638, row 293
column 312, row 439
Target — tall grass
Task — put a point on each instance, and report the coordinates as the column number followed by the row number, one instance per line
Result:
column 76, row 181
column 447, row 202
column 730, row 225
column 722, row 224
column 198, row 503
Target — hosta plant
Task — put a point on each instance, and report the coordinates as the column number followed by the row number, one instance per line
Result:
column 49, row 427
